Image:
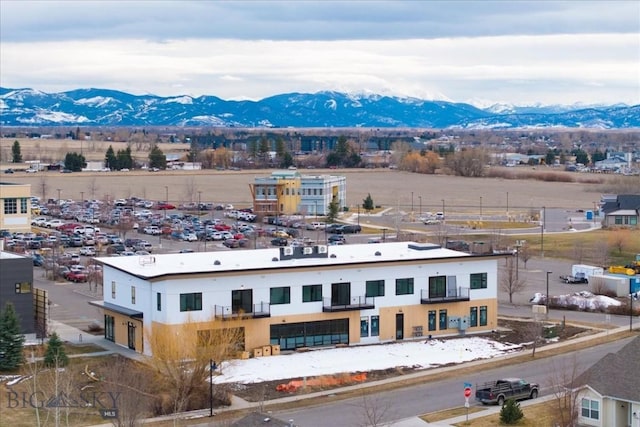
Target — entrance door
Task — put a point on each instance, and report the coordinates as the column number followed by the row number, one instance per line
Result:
column 131, row 333
column 399, row 326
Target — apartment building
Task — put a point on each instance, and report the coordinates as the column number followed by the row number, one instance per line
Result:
column 303, row 296
column 288, row 192
column 15, row 207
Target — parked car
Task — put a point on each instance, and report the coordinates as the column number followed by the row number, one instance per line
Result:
column 348, row 229
column 497, row 392
column 165, row 206
column 231, row 243
column 336, row 239
column 88, row 251
column 279, row 241
column 76, row 276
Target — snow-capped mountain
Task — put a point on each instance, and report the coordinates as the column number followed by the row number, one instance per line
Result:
column 103, row 107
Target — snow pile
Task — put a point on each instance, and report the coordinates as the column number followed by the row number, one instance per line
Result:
column 416, row 354
column 585, row 300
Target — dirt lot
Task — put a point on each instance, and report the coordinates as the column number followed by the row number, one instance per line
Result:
column 387, row 188
column 510, row 331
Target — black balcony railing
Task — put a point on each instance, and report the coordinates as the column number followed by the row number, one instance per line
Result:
column 354, row 303
column 451, row 295
column 259, row 310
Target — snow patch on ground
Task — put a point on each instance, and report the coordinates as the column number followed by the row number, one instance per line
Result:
column 583, row 299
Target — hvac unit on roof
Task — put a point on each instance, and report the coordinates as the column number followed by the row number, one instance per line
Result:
column 322, row 249
column 288, row 251
column 307, row 250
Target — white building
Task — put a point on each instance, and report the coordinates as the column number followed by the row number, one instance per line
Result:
column 304, row 296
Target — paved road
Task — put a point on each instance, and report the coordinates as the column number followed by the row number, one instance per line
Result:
column 437, row 395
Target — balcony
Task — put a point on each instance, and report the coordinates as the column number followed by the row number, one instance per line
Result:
column 258, row 311
column 452, row 295
column 354, row 303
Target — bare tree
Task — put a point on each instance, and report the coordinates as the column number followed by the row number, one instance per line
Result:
column 601, row 252
column 93, row 188
column 190, row 189
column 181, row 355
column 562, row 381
column 510, row 281
column 524, row 253
column 532, row 333
column 131, row 385
column 374, row 411
column 579, row 250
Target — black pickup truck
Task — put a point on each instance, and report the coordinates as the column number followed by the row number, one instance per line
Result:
column 507, row 388
column 574, row 279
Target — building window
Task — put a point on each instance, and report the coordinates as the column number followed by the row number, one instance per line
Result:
column 479, row 281
column 617, row 217
column 23, row 206
column 375, row 288
column 432, row 320
column 364, row 326
column 10, row 206
column 443, row 319
column 473, row 316
column 590, row 409
column 133, row 295
column 113, row 289
column 311, row 293
column 404, row 286
column 633, row 220
column 158, row 301
column 483, row 315
column 281, row 295
column 242, row 301
column 375, row 326
column 108, row 327
column 340, row 294
column 23, row 288
column 191, row 302
column 438, row 287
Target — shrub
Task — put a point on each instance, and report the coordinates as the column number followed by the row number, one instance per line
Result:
column 511, row 413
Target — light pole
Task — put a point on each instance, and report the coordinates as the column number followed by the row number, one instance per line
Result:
column 166, row 200
column 480, row 208
column 420, row 199
column 412, row 203
column 212, row 367
column 59, row 190
column 384, row 234
column 82, row 198
column 358, row 213
column 542, row 224
column 507, row 205
column 547, row 296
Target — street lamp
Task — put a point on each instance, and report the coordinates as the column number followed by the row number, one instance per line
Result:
column 412, row 203
column 443, row 212
column 358, row 213
column 420, row 199
column 384, row 234
column 82, row 198
column 480, row 208
column 547, row 296
column 542, row 227
column 59, row 189
column 166, row 200
column 212, row 367
column 507, row 205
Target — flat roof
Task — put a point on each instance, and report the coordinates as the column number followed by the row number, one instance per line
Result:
column 10, row 255
column 150, row 266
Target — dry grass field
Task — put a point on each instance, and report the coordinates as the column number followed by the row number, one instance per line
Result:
column 387, row 188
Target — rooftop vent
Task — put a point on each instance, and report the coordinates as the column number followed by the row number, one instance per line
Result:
column 275, row 258
column 378, row 253
column 216, row 262
column 423, row 246
column 332, row 256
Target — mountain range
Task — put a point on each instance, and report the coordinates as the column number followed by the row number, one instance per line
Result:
column 104, row 107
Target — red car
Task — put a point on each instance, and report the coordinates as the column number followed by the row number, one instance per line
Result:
column 69, row 227
column 76, row 276
column 222, row 227
column 165, row 206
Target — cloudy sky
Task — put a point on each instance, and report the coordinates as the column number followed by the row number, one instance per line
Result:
column 519, row 52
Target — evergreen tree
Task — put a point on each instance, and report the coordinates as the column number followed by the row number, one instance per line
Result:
column 550, row 158
column 157, row 159
column 263, row 150
column 15, row 151
column 110, row 159
column 511, row 412
column 125, row 161
column 11, row 339
column 74, row 162
column 334, row 207
column 367, row 203
column 55, row 354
